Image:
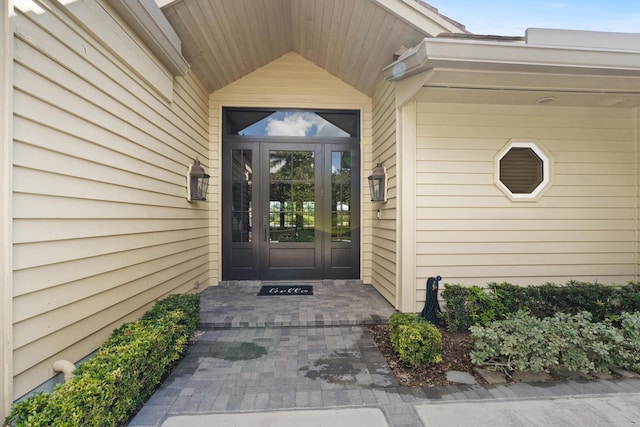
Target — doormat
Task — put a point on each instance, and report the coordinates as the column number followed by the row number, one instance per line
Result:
column 268, row 290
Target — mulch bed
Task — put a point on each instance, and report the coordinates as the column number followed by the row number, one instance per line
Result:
column 455, row 357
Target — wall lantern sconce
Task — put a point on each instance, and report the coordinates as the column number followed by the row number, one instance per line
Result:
column 378, row 184
column 197, row 182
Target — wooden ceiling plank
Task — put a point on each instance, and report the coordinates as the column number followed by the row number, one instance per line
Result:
column 288, row 46
column 318, row 30
column 279, row 28
column 371, row 53
column 284, row 31
column 297, row 11
column 205, row 19
column 338, row 11
column 325, row 34
column 256, row 33
column 355, row 40
column 341, row 37
column 234, row 33
column 200, row 56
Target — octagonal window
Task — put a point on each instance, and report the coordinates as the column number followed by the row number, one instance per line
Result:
column 522, row 170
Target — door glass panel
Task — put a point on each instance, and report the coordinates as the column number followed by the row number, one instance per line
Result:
column 340, row 196
column 242, row 203
column 291, row 196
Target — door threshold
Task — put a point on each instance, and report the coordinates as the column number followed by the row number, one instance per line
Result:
column 338, row 282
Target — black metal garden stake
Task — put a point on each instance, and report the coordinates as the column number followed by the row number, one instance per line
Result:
column 431, row 304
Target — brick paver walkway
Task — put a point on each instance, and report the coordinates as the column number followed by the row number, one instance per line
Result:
column 312, row 352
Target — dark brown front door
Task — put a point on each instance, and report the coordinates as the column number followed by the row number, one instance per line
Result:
column 290, row 208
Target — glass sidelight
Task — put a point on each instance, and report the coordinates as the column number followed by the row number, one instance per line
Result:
column 242, row 196
column 341, row 201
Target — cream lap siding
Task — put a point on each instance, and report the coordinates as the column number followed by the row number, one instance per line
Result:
column 637, row 170
column 582, row 228
column 101, row 223
column 291, row 81
column 384, row 236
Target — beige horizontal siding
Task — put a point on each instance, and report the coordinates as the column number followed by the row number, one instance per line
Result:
column 290, row 81
column 637, row 190
column 6, row 189
column 583, row 227
column 384, row 258
column 537, row 247
column 103, row 136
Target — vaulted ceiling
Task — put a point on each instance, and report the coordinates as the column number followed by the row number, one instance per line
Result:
column 354, row 40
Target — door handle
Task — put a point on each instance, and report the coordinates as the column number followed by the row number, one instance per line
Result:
column 265, row 227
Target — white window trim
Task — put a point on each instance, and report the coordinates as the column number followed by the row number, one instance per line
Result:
column 535, row 146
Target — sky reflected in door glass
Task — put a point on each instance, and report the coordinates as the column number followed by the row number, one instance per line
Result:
column 294, row 123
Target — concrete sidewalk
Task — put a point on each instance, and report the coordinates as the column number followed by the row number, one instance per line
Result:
column 371, row 417
column 603, row 410
column 613, row 410
column 296, row 360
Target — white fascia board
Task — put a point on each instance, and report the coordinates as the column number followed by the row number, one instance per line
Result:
column 420, row 17
column 6, row 205
column 163, row 3
column 147, row 20
column 584, row 39
column 516, row 57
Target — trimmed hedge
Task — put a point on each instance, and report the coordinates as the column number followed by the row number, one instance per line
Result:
column 467, row 306
column 125, row 371
column 415, row 340
column 523, row 342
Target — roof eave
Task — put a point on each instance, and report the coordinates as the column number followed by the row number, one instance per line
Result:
column 422, row 16
column 516, row 57
column 148, row 22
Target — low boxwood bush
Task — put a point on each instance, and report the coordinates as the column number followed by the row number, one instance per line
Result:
column 472, row 305
column 108, row 388
column 415, row 340
column 523, row 342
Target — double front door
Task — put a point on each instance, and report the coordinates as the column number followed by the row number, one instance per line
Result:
column 290, row 208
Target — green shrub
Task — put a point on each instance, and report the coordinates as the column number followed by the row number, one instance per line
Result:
column 466, row 306
column 415, row 340
column 523, row 342
column 455, row 315
column 189, row 304
column 586, row 346
column 627, row 355
column 121, row 376
column 517, row 343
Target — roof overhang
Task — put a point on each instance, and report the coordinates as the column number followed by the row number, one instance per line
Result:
column 225, row 40
column 603, row 65
column 422, row 16
column 149, row 23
